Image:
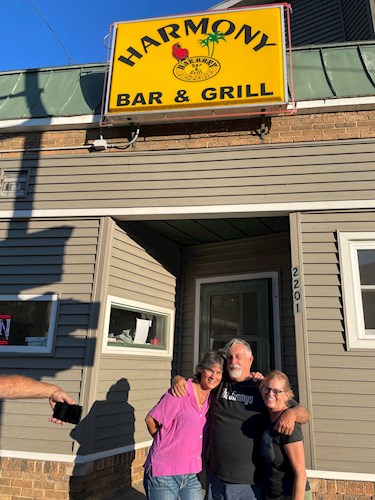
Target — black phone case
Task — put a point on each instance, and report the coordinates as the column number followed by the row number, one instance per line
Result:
column 68, row 413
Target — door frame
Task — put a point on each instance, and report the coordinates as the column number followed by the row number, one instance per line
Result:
column 274, row 276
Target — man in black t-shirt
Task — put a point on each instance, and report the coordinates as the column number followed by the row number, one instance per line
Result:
column 236, row 423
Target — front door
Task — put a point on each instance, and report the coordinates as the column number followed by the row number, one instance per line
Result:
column 239, row 308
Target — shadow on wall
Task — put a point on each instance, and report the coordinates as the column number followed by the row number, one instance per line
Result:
column 32, row 259
column 39, row 265
column 108, row 425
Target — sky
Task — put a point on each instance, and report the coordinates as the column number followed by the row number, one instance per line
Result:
column 72, row 31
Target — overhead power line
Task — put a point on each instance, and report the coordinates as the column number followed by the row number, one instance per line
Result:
column 50, row 28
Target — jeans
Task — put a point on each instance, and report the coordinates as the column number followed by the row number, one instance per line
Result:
column 183, row 486
column 220, row 490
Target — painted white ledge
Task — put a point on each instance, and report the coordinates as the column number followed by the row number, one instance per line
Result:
column 198, row 211
column 340, row 476
column 77, row 459
column 338, row 105
column 49, row 123
column 91, row 121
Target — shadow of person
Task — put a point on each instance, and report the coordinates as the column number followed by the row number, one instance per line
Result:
column 109, row 425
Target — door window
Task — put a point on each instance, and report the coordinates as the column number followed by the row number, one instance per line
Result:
column 238, row 309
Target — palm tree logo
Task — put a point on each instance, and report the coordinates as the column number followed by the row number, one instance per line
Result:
column 197, row 68
column 211, row 40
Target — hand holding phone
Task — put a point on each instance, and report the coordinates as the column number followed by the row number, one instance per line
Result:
column 68, row 413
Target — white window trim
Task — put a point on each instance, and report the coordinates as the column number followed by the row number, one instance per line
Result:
column 241, row 277
column 47, row 349
column 349, row 243
column 141, row 307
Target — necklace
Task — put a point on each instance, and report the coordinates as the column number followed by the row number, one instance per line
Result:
column 201, row 397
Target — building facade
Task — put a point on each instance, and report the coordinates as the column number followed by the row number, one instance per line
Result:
column 127, row 252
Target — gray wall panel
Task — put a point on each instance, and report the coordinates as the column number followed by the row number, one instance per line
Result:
column 36, row 258
column 285, row 173
column 333, row 369
column 129, row 386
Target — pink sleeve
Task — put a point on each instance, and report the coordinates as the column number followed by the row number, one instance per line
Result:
column 167, row 409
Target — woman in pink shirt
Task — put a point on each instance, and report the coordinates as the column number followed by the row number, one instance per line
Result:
column 177, row 424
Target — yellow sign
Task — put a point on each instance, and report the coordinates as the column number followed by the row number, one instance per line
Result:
column 214, row 59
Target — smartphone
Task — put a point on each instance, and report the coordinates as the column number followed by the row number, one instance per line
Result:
column 68, row 413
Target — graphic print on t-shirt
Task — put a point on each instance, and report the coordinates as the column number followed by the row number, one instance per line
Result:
column 266, row 447
column 246, row 399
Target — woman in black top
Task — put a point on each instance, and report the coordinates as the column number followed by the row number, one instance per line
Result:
column 285, row 472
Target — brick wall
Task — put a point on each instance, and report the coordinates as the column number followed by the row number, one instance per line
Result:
column 22, row 479
column 329, row 489
column 25, row 479
column 279, row 129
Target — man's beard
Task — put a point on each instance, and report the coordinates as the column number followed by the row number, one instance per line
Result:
column 235, row 371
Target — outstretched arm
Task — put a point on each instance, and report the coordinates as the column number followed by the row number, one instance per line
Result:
column 285, row 424
column 20, row 387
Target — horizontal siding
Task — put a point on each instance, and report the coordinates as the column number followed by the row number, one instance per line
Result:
column 340, row 374
column 129, row 386
column 272, row 174
column 340, row 445
column 316, row 22
column 366, row 428
column 136, row 275
column 39, row 257
column 326, row 413
column 329, row 386
column 358, row 22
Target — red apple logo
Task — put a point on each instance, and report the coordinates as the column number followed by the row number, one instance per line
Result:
column 179, row 53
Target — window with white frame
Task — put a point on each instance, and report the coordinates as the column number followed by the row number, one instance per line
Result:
column 27, row 323
column 357, row 256
column 138, row 328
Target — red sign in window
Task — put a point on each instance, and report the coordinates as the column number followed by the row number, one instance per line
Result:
column 5, row 321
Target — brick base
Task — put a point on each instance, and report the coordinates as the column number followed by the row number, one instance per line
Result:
column 329, row 489
column 22, row 479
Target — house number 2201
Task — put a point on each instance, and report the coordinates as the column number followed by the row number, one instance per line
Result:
column 296, row 289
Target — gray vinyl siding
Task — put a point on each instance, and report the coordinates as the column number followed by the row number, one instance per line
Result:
column 357, row 20
column 171, row 256
column 327, row 21
column 136, row 275
column 43, row 257
column 316, row 22
column 129, row 385
column 338, row 170
column 250, row 255
column 342, row 382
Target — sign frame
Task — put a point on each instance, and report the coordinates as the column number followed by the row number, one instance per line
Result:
column 236, row 101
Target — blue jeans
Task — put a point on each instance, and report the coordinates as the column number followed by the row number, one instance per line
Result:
column 183, row 486
column 220, row 490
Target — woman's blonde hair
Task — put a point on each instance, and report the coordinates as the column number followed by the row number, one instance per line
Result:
column 280, row 375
